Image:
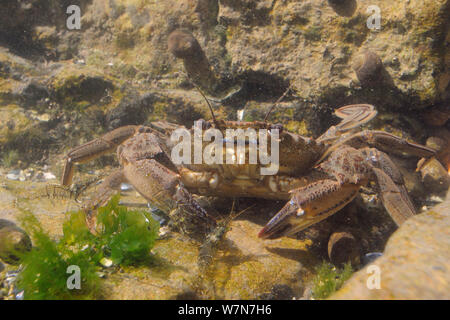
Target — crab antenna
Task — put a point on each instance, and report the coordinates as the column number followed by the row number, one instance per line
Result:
column 276, row 102
column 235, row 215
column 206, row 99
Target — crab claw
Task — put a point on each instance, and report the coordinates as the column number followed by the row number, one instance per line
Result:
column 308, row 206
column 289, row 220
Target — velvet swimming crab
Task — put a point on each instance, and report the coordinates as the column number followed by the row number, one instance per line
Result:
column 316, row 177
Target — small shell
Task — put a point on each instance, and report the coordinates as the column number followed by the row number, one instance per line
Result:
column 343, row 247
column 368, row 67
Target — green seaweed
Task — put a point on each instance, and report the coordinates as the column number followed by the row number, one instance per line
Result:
column 125, row 237
column 45, row 274
column 329, row 279
column 129, row 234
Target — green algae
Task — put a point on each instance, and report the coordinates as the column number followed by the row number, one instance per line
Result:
column 45, row 267
column 329, row 279
column 129, row 234
column 125, row 237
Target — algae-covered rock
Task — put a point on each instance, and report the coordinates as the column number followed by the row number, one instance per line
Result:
column 313, row 46
column 75, row 84
column 12, row 121
column 415, row 263
column 13, row 242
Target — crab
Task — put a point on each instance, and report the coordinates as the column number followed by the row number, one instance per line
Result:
column 316, row 177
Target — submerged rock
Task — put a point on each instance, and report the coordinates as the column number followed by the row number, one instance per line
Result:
column 434, row 175
column 13, row 241
column 415, row 263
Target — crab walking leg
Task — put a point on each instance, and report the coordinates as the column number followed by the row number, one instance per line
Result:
column 395, row 200
column 104, row 192
column 309, row 205
column 163, row 187
column 95, row 148
column 391, row 186
column 383, row 141
column 352, row 116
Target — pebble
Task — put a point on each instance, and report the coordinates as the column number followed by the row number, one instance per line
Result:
column 106, row 262
column 49, row 176
column 20, row 295
column 44, row 176
column 27, row 174
column 434, row 176
column 13, row 240
column 163, row 232
column 13, row 175
column 125, row 187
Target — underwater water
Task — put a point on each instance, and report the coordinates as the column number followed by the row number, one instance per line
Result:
column 224, row 149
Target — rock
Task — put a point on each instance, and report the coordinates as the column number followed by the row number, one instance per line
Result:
column 2, row 267
column 131, row 110
column 279, row 292
column 77, row 84
column 414, row 264
column 344, row 8
column 436, row 143
column 13, row 241
column 13, row 175
column 13, row 120
column 434, row 176
column 31, row 93
column 312, row 46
